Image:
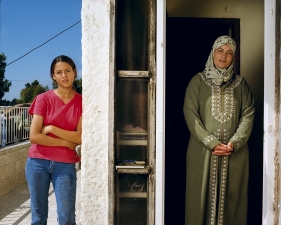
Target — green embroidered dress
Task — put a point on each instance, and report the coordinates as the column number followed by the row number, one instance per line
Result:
column 216, row 186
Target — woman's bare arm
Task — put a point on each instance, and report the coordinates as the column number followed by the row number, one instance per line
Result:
column 36, row 137
column 73, row 136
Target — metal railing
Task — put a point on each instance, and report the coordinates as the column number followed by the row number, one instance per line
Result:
column 15, row 124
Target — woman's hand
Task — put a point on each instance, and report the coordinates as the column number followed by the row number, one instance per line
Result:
column 222, row 149
column 46, row 129
column 230, row 146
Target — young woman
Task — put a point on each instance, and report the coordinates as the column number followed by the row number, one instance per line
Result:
column 219, row 112
column 55, row 132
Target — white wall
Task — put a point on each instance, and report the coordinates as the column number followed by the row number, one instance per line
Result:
column 98, row 92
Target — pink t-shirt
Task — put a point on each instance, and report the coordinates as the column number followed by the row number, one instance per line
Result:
column 59, row 114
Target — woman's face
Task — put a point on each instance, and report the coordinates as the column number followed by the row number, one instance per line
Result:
column 63, row 74
column 223, row 57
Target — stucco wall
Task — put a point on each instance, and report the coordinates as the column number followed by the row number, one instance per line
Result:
column 98, row 98
column 12, row 164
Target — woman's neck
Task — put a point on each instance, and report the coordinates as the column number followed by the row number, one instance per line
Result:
column 64, row 93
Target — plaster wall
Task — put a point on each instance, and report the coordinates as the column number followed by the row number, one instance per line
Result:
column 97, row 200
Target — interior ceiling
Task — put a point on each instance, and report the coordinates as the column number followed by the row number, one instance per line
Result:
column 175, row 7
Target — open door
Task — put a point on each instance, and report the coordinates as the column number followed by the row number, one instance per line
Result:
column 188, row 49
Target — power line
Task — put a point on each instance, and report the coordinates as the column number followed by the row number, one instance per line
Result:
column 43, row 43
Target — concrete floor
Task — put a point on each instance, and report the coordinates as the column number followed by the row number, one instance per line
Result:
column 15, row 208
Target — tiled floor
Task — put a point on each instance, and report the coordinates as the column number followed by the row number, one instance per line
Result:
column 15, row 209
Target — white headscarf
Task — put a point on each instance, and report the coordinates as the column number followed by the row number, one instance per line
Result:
column 216, row 74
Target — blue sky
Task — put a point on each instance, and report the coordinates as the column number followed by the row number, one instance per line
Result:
column 27, row 24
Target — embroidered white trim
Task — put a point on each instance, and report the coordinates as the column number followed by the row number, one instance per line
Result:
column 208, row 139
column 236, row 139
column 222, row 101
column 216, row 194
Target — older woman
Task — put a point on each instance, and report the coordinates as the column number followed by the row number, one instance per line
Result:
column 219, row 112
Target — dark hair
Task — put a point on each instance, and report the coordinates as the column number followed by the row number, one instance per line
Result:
column 63, row 58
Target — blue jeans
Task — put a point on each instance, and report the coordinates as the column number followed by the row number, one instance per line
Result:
column 39, row 173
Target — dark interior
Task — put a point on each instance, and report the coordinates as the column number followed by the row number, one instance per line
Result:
column 189, row 42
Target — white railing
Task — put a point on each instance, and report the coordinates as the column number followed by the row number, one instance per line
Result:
column 15, row 124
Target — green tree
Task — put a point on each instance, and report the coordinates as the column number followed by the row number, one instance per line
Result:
column 77, row 85
column 5, row 102
column 14, row 101
column 4, row 83
column 30, row 91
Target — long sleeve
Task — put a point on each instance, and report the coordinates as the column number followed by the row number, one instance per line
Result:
column 245, row 125
column 192, row 117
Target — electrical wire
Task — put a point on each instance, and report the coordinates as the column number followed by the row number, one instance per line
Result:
column 43, row 43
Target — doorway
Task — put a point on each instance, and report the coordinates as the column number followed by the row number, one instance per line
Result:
column 189, row 42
